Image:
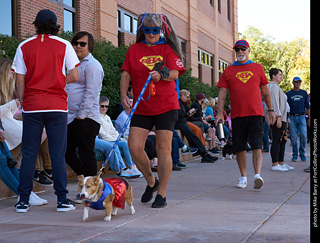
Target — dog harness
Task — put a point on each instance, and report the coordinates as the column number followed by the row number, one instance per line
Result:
column 120, row 193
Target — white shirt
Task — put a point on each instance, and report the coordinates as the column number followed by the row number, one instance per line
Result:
column 107, row 131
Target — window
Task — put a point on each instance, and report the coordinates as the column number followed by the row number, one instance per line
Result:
column 205, row 58
column 69, row 15
column 219, row 6
column 222, row 66
column 6, row 13
column 229, row 10
column 127, row 22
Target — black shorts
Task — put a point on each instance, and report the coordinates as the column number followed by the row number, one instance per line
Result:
column 247, row 127
column 165, row 121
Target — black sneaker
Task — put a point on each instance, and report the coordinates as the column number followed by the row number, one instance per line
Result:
column 189, row 150
column 22, row 207
column 40, row 178
column 183, row 166
column 48, row 173
column 147, row 195
column 208, row 159
column 159, row 202
column 65, row 206
column 176, row 167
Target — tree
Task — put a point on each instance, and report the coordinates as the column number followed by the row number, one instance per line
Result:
column 293, row 57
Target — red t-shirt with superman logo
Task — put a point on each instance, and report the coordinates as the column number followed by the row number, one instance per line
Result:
column 139, row 61
column 243, row 82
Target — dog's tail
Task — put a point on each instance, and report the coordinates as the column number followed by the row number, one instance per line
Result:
column 125, row 182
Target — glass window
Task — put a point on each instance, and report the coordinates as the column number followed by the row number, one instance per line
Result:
column 127, row 23
column 68, row 2
column 134, row 25
column 6, row 17
column 68, row 21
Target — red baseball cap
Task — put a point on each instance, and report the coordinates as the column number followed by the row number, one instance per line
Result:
column 241, row 43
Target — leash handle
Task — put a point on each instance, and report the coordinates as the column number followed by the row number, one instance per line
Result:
column 126, row 124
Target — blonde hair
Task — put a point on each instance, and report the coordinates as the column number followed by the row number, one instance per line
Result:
column 7, row 84
column 162, row 21
column 212, row 102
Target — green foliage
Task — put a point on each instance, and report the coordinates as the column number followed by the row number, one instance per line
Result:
column 293, row 57
column 8, row 46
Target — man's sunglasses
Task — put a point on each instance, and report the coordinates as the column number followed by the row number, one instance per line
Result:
column 148, row 30
column 104, row 106
column 76, row 43
column 237, row 49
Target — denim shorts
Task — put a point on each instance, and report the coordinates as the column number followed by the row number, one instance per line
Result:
column 165, row 121
column 247, row 127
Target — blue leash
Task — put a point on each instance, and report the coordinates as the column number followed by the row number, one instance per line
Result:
column 126, row 123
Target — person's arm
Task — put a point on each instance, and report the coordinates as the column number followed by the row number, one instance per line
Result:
column 222, row 99
column 173, row 75
column 267, row 98
column 21, row 85
column 124, row 85
column 72, row 76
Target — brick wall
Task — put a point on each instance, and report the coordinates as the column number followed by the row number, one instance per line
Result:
column 86, row 18
column 27, row 11
column 136, row 6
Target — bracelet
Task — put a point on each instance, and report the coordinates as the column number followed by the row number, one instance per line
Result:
column 271, row 110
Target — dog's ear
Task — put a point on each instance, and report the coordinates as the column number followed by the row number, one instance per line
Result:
column 80, row 177
column 97, row 179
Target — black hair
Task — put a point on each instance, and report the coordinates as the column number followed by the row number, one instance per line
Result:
column 274, row 71
column 82, row 34
column 50, row 29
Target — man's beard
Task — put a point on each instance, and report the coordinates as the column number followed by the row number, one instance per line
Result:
column 241, row 57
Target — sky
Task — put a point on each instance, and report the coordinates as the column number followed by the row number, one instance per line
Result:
column 285, row 20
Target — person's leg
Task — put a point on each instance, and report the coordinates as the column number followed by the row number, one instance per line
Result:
column 127, row 156
column 293, row 127
column 242, row 162
column 163, row 147
column 56, row 128
column 175, row 150
column 275, row 146
column 7, row 175
column 88, row 131
column 302, row 128
column 33, row 124
column 136, row 142
column 257, row 160
column 71, row 157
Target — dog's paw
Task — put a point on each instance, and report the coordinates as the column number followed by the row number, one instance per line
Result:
column 108, row 218
column 132, row 210
column 114, row 211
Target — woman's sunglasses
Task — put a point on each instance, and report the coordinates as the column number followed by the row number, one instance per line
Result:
column 104, row 106
column 76, row 43
column 148, row 30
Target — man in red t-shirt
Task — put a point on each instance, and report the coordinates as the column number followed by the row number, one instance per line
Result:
column 40, row 64
column 246, row 81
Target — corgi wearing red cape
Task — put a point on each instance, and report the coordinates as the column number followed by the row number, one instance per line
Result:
column 108, row 195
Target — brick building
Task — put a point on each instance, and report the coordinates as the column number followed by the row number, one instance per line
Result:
column 207, row 29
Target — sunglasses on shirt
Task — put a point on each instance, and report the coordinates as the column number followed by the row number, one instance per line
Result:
column 104, row 106
column 82, row 44
column 237, row 49
column 148, row 30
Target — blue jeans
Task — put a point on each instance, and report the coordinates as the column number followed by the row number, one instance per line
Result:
column 116, row 162
column 9, row 176
column 298, row 125
column 56, row 129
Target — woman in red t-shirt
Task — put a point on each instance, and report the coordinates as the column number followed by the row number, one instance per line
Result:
column 159, row 110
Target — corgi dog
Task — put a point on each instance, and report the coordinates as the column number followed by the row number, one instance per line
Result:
column 108, row 195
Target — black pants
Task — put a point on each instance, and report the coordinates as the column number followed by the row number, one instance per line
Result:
column 193, row 139
column 279, row 139
column 81, row 136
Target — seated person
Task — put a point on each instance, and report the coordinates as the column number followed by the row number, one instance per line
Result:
column 105, row 140
column 182, row 125
column 121, row 120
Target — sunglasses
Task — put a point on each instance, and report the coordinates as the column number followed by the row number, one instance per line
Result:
column 104, row 106
column 82, row 44
column 237, row 49
column 148, row 30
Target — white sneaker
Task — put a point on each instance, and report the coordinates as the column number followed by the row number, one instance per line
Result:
column 288, row 167
column 242, row 182
column 258, row 181
column 279, row 168
column 39, row 198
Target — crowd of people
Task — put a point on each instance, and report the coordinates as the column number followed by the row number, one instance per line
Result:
column 52, row 113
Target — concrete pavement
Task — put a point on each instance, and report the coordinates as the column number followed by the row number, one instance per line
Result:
column 203, row 206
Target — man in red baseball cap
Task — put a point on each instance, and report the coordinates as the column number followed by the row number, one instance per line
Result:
column 246, row 81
